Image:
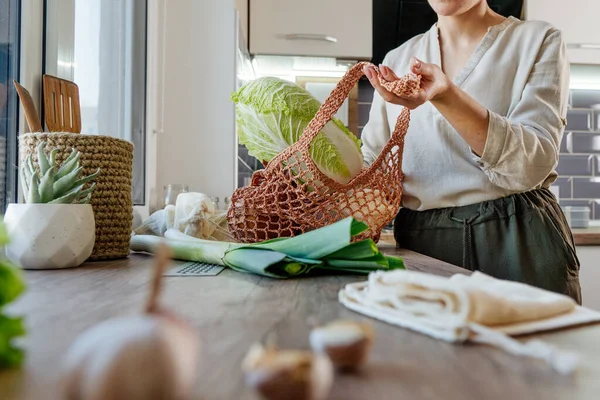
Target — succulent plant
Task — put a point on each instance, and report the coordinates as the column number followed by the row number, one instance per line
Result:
column 54, row 184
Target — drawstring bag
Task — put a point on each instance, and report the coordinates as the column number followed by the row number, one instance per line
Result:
column 292, row 196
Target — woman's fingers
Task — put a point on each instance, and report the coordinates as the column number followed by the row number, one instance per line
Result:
column 420, row 68
column 394, row 99
column 372, row 76
column 434, row 82
column 387, row 73
column 415, row 65
column 367, row 72
column 385, row 94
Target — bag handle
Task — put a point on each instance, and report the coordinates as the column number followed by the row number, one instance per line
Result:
column 405, row 86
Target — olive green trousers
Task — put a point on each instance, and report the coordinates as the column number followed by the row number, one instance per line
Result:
column 522, row 237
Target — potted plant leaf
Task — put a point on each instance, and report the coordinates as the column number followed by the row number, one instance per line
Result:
column 55, row 227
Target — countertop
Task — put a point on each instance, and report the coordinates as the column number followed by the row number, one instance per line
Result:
column 587, row 237
column 582, row 237
column 232, row 311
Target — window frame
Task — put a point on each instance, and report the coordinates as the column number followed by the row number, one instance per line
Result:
column 10, row 194
column 31, row 34
column 34, row 63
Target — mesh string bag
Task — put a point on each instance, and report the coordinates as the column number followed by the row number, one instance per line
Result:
column 292, row 196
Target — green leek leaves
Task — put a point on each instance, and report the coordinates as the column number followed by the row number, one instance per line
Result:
column 329, row 249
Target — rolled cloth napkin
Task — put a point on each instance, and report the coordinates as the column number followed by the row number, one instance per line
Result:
column 477, row 308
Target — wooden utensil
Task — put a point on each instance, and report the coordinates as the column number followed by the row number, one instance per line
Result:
column 33, row 120
column 62, row 111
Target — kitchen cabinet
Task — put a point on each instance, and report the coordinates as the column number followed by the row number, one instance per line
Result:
column 396, row 21
column 385, row 23
column 578, row 21
column 320, row 28
column 507, row 7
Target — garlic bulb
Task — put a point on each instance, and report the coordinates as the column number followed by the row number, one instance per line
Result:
column 138, row 357
column 347, row 343
column 148, row 356
column 288, row 374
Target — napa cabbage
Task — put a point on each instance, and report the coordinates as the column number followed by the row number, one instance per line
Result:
column 271, row 114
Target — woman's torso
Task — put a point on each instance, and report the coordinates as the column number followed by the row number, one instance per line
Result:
column 440, row 170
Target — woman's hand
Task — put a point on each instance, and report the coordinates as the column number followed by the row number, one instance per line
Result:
column 469, row 118
column 434, row 84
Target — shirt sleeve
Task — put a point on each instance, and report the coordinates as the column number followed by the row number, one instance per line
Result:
column 522, row 148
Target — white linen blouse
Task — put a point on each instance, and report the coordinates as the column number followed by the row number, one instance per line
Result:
column 520, row 73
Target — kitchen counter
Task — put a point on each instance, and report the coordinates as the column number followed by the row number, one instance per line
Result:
column 587, row 237
column 232, row 311
column 582, row 237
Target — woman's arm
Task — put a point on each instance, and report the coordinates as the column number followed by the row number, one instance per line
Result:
column 376, row 132
column 467, row 116
column 522, row 148
column 517, row 151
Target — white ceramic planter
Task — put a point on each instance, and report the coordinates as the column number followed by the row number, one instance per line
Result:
column 49, row 236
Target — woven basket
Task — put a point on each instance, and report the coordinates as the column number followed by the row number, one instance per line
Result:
column 292, row 196
column 111, row 200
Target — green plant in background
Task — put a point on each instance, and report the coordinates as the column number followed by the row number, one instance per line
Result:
column 55, row 184
column 12, row 284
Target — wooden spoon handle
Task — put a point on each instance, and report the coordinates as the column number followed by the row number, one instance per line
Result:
column 33, row 120
column 62, row 112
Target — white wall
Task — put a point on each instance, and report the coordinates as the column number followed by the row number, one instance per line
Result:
column 589, row 275
column 197, row 145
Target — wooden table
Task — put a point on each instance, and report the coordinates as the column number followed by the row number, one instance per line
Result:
column 587, row 237
column 231, row 311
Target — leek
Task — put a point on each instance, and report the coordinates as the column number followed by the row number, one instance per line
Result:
column 329, row 249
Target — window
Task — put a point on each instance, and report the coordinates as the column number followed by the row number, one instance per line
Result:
column 9, row 63
column 101, row 46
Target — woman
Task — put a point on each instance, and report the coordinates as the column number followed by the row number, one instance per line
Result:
column 482, row 146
